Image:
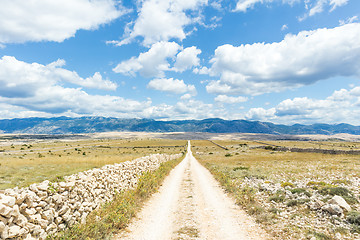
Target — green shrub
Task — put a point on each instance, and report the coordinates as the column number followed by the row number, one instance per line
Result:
column 320, row 236
column 278, row 197
column 274, row 210
column 240, row 168
column 292, row 203
column 353, row 217
column 316, row 185
column 340, row 191
column 299, row 191
column 287, row 184
column 340, row 181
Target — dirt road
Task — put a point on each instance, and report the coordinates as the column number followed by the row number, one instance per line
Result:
column 191, row 205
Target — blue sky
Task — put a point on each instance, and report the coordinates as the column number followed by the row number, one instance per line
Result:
column 283, row 61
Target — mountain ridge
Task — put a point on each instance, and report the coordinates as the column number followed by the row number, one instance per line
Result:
column 67, row 125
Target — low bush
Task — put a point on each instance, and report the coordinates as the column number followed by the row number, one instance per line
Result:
column 353, row 217
column 240, row 168
column 340, row 191
column 299, row 191
column 278, row 197
column 287, row 184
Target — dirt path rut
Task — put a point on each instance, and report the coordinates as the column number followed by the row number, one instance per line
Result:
column 191, row 205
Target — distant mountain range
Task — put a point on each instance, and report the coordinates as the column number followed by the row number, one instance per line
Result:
column 65, row 125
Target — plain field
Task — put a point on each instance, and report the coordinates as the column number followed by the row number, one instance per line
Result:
column 244, row 166
column 23, row 163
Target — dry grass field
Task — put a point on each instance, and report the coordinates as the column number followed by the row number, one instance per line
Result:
column 330, row 145
column 280, row 188
column 287, row 192
column 23, row 163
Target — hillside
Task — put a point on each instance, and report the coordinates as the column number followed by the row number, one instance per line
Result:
column 64, row 125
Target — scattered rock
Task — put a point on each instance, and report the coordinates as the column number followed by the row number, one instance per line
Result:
column 316, row 205
column 338, row 200
column 338, row 236
column 333, row 209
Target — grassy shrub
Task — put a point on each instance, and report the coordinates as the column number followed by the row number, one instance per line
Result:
column 296, row 202
column 116, row 215
column 316, row 185
column 340, row 191
column 240, row 168
column 354, row 218
column 320, row 236
column 270, row 148
column 341, row 181
column 287, row 184
column 299, row 191
column 278, row 197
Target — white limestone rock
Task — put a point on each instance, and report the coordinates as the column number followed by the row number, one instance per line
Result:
column 14, row 231
column 44, row 186
column 5, row 210
column 333, row 209
column 5, row 233
column 2, row 227
column 7, row 200
column 48, row 215
column 338, row 200
column 21, row 220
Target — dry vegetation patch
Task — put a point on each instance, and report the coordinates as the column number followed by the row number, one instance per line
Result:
column 24, row 163
column 290, row 194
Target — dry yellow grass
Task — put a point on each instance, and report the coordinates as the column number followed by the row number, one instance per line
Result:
column 242, row 169
column 274, row 164
column 23, row 164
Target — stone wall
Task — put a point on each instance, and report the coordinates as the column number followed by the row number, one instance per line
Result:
column 45, row 208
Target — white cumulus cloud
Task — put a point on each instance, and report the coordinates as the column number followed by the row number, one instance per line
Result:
column 33, row 89
column 187, row 109
column 158, row 59
column 297, row 60
column 312, row 7
column 349, row 20
column 172, row 85
column 42, row 20
column 152, row 63
column 36, row 90
column 162, row 20
column 243, row 5
column 18, row 77
column 341, row 106
column 187, row 58
column 229, row 99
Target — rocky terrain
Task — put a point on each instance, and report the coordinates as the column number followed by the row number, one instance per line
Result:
column 42, row 209
column 320, row 208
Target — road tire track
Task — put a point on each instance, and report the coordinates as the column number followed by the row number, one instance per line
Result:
column 191, row 205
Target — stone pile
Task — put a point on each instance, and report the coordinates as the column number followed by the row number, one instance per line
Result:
column 45, row 208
